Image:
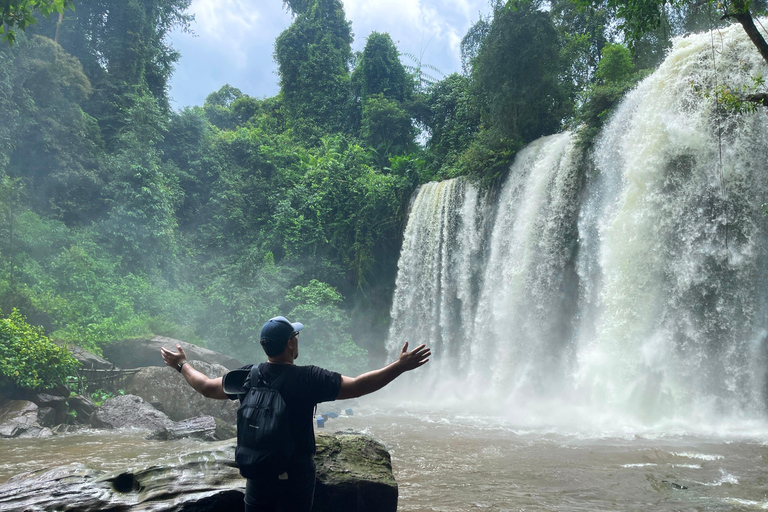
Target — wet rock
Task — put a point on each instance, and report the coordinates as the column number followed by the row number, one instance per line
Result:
column 83, row 408
column 167, row 390
column 206, row 428
column 67, row 429
column 57, row 403
column 354, row 475
column 674, row 485
column 89, row 360
column 16, row 416
column 33, row 432
column 194, row 486
column 129, row 411
column 141, row 352
column 46, row 416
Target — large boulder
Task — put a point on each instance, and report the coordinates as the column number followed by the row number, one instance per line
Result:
column 141, row 352
column 53, row 408
column 168, row 391
column 354, row 475
column 129, row 411
column 18, row 418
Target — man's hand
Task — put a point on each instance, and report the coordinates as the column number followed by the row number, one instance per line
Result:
column 173, row 359
column 211, row 388
column 413, row 359
column 377, row 379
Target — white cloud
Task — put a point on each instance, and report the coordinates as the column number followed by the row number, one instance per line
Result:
column 429, row 29
column 234, row 39
column 238, row 27
column 220, row 18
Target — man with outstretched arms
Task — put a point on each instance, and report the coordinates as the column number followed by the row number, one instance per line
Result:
column 301, row 389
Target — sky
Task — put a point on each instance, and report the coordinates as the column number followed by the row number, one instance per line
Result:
column 233, row 40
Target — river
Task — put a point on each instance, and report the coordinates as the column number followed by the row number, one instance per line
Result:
column 448, row 462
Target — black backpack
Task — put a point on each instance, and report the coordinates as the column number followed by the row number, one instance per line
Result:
column 264, row 441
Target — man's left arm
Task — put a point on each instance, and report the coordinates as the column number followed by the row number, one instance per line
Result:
column 353, row 387
column 210, row 388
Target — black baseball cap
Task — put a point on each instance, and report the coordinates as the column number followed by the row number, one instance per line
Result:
column 276, row 333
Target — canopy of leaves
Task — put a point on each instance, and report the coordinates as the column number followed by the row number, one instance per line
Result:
column 19, row 14
column 28, row 359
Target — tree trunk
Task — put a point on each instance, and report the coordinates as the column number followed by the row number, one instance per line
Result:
column 744, row 17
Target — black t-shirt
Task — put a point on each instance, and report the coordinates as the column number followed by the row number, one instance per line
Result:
column 302, row 390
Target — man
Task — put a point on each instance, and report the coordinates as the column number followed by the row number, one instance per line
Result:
column 302, row 389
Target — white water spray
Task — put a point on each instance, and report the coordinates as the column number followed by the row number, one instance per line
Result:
column 629, row 287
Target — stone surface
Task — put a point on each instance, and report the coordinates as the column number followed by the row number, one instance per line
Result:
column 141, row 352
column 206, row 428
column 83, row 407
column 354, row 475
column 89, row 360
column 16, row 416
column 167, row 390
column 55, row 403
column 46, row 416
column 129, row 411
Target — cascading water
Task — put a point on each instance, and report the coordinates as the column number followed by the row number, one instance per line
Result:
column 626, row 286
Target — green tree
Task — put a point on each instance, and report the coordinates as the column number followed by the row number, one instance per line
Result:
column 20, row 14
column 326, row 340
column 379, row 70
column 640, row 17
column 52, row 144
column 452, row 118
column 124, row 51
column 386, row 125
column 28, row 359
column 614, row 76
column 516, row 75
column 143, row 193
column 313, row 57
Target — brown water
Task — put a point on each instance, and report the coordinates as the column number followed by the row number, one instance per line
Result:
column 446, row 463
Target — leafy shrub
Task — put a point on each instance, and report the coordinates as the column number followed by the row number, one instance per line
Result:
column 28, row 359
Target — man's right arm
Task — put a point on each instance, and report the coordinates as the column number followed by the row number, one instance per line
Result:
column 210, row 388
column 353, row 387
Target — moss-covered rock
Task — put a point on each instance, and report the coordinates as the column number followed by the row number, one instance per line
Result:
column 354, row 473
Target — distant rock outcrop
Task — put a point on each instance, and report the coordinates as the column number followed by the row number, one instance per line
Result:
column 354, row 475
column 167, row 390
column 89, row 360
column 129, row 411
column 141, row 352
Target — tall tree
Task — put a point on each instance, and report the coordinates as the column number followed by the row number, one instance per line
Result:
column 516, row 74
column 313, row 57
column 124, row 52
column 381, row 88
column 53, row 144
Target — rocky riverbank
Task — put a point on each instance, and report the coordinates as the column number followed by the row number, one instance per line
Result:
column 354, row 471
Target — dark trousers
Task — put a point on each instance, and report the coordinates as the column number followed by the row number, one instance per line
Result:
column 273, row 494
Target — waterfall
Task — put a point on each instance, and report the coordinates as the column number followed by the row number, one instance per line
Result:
column 628, row 284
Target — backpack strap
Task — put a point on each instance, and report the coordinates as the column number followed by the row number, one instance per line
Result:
column 279, row 380
column 257, row 377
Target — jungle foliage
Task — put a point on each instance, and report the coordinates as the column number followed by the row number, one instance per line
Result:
column 120, row 217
